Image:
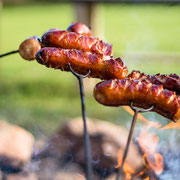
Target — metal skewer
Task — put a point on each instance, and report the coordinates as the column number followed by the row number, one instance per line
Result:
column 9, row 53
column 86, row 136
column 136, row 111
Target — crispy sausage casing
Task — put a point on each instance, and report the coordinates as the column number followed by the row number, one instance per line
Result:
column 80, row 29
column 143, row 95
column 170, row 82
column 71, row 40
column 82, row 61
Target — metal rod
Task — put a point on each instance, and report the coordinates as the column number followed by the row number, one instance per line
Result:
column 86, row 136
column 9, row 53
column 137, row 173
column 3, row 176
column 128, row 143
column 136, row 111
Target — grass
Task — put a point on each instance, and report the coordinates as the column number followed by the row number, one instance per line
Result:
column 144, row 28
column 39, row 98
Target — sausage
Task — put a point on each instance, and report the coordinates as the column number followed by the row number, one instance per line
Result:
column 170, row 82
column 82, row 61
column 79, row 28
column 143, row 95
column 29, row 48
column 71, row 40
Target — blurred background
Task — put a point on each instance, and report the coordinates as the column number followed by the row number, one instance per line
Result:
column 145, row 35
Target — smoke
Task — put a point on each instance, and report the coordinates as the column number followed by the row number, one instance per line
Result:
column 169, row 147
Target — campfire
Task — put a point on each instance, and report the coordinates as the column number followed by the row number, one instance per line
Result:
column 75, row 50
column 62, row 154
column 154, row 159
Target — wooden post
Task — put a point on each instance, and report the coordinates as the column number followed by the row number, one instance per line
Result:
column 0, row 18
column 90, row 13
column 0, row 26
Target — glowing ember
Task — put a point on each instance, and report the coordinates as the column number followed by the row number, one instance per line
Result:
column 147, row 178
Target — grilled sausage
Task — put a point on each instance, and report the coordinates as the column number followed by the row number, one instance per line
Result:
column 170, row 82
column 79, row 28
column 143, row 95
column 29, row 48
column 82, row 61
column 71, row 40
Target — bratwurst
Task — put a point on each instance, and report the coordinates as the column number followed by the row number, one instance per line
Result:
column 71, row 40
column 103, row 67
column 143, row 95
column 170, row 82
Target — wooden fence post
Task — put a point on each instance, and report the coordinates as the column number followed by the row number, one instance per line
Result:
column 90, row 13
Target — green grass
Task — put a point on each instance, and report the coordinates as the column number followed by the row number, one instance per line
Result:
column 144, row 28
column 39, row 98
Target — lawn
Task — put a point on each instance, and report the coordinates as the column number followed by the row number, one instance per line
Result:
column 38, row 98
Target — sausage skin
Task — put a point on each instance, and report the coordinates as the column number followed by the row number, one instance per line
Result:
column 170, row 82
column 82, row 61
column 79, row 28
column 71, row 40
column 143, row 95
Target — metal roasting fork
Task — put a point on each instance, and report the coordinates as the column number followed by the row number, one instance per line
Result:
column 136, row 111
column 86, row 136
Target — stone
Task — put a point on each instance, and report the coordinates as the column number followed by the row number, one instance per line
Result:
column 106, row 140
column 16, row 147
